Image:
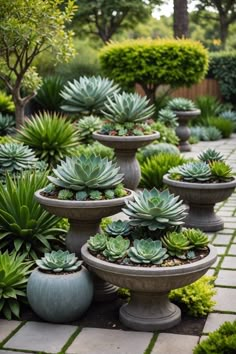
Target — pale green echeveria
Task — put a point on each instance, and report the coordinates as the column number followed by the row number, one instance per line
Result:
column 192, row 172
column 59, row 261
column 86, row 126
column 128, row 107
column 97, row 242
column 88, row 95
column 155, row 210
column 181, row 104
column 118, row 227
column 116, row 248
column 196, row 237
column 86, row 172
column 147, row 251
column 177, row 244
column 210, row 155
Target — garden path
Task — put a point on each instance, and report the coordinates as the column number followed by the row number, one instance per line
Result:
column 38, row 337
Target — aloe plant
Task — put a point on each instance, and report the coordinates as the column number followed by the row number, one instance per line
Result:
column 192, row 172
column 51, row 136
column 181, row 104
column 155, row 210
column 25, row 226
column 92, row 173
column 147, row 251
column 59, row 261
column 210, row 155
column 177, row 244
column 221, row 171
column 97, row 242
column 196, row 237
column 86, row 126
column 116, row 248
column 118, row 227
column 88, row 95
column 14, row 271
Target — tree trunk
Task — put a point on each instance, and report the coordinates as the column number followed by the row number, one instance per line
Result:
column 223, row 30
column 19, row 113
column 181, row 18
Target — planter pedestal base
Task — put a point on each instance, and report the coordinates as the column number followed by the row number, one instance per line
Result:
column 149, row 312
column 183, row 133
column 103, row 291
column 204, row 218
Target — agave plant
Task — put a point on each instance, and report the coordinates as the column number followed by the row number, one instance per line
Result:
column 48, row 96
column 221, row 171
column 196, row 237
column 210, row 155
column 88, row 95
column 128, row 107
column 155, row 210
column 51, row 136
column 229, row 115
column 86, row 126
column 116, row 248
column 181, row 104
column 177, row 244
column 25, row 226
column 59, row 261
column 7, row 124
column 14, row 271
column 211, row 134
column 147, row 251
column 79, row 173
column 192, row 172
column 168, row 117
column 97, row 242
column 15, row 158
column 118, row 227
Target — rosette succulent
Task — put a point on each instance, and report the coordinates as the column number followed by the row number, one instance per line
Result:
column 177, row 244
column 181, row 104
column 210, row 155
column 167, row 117
column 117, row 228
column 86, row 126
column 116, row 248
column 97, row 242
column 127, row 107
column 59, row 261
column 155, row 210
column 88, row 95
column 192, row 172
column 221, row 171
column 196, row 237
column 86, row 173
column 147, row 251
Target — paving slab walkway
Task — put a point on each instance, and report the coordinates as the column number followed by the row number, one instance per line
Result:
column 42, row 337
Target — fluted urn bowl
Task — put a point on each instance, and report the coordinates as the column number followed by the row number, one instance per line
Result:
column 125, row 150
column 201, row 198
column 149, row 308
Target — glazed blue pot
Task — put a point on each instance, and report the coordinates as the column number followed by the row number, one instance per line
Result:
column 60, row 297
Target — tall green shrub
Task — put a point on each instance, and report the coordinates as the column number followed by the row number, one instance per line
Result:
column 174, row 62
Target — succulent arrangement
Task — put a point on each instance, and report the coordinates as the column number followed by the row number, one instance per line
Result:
column 181, row 104
column 59, row 261
column 210, row 168
column 86, row 178
column 126, row 114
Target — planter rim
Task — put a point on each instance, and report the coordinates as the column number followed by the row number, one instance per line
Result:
column 149, row 272
column 132, row 138
column 188, row 113
column 192, row 185
column 82, row 204
column 64, row 274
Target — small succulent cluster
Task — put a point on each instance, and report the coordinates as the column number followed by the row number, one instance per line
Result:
column 168, row 117
column 86, row 178
column 210, row 168
column 126, row 129
column 59, row 261
column 181, row 104
column 86, row 126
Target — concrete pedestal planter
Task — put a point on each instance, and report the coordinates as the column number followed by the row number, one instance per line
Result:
column 149, row 308
column 201, row 198
column 125, row 150
column 182, row 131
column 60, row 298
column 84, row 218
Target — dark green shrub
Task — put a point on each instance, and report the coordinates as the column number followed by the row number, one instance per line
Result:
column 154, row 168
column 95, row 149
column 230, row 115
column 48, row 96
column 181, row 62
column 225, row 126
column 223, row 69
column 221, row 341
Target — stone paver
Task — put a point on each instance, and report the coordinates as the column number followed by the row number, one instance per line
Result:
column 174, row 344
column 225, row 299
column 222, row 240
column 232, row 250
column 108, row 341
column 6, row 327
column 11, row 352
column 215, row 320
column 41, row 336
column 226, row 278
column 220, row 250
column 229, row 262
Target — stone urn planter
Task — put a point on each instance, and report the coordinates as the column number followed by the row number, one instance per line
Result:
column 60, row 297
column 149, row 308
column 182, row 131
column 201, row 198
column 125, row 150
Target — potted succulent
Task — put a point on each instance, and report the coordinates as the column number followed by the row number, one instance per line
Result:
column 84, row 190
column 60, row 289
column 202, row 184
column 150, row 255
column 125, row 131
column 185, row 110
